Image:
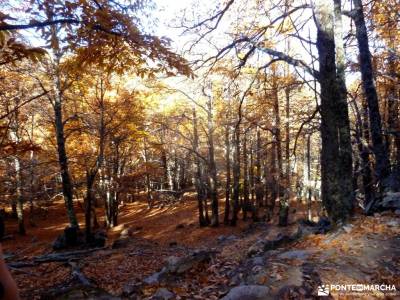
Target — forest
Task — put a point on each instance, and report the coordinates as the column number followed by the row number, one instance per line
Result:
column 221, row 149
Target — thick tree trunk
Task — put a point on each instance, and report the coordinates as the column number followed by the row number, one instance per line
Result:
column 336, row 165
column 382, row 168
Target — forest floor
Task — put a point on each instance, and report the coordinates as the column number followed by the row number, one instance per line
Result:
column 366, row 251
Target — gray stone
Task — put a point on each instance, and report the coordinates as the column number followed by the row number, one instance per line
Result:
column 257, row 261
column 248, row 292
column 155, row 278
column 348, row 228
column 393, row 223
column 295, row 254
column 397, row 212
column 163, row 294
column 391, row 200
column 256, row 248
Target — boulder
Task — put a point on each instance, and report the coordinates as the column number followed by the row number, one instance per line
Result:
column 178, row 265
column 248, row 292
column 391, row 200
column 163, row 294
column 156, row 278
column 321, row 227
column 296, row 254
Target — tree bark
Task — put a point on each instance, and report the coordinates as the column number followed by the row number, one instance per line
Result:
column 197, row 170
column 236, row 175
column 228, row 174
column 211, row 165
column 336, row 165
column 246, row 199
column 62, row 153
column 382, row 168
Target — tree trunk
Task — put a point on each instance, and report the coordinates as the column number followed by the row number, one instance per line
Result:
column 246, row 199
column 62, row 154
column 382, row 168
column 228, row 174
column 336, row 165
column 197, row 171
column 19, row 208
column 211, row 165
column 236, row 175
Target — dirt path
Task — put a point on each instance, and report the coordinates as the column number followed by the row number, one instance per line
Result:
column 367, row 251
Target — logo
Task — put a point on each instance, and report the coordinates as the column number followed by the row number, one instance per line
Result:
column 323, row 290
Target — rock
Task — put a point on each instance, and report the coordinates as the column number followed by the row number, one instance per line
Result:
column 279, row 241
column 231, row 237
column 223, row 238
column 296, row 254
column 309, row 227
column 125, row 233
column 177, row 265
column 248, row 292
column 256, row 248
column 155, row 278
column 259, row 276
column 348, row 228
column 131, row 288
column 163, row 294
column 397, row 212
column 393, row 223
column 391, row 200
column 257, row 261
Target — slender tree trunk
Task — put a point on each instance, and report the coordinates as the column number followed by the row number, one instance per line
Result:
column 62, row 153
column 88, row 206
column 197, row 170
column 308, row 176
column 211, row 165
column 258, row 186
column 148, row 181
column 14, row 134
column 20, row 198
column 236, row 175
column 283, row 203
column 382, row 168
column 246, row 200
column 228, row 174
